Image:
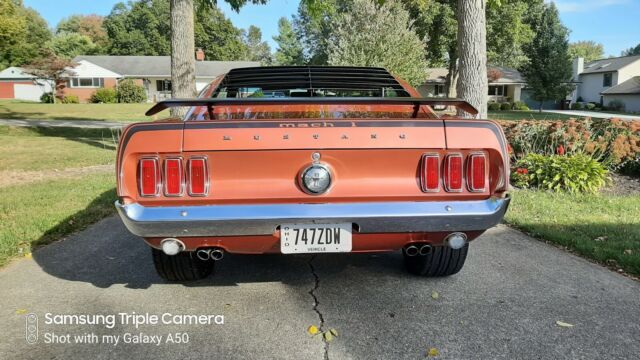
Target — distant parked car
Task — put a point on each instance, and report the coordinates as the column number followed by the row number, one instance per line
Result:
column 337, row 159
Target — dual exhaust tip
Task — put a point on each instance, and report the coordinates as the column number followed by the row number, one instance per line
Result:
column 173, row 246
column 455, row 241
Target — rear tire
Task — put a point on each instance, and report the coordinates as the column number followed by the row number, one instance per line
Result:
column 441, row 261
column 184, row 266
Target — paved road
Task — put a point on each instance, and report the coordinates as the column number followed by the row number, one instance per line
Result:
column 504, row 304
column 86, row 124
column 594, row 114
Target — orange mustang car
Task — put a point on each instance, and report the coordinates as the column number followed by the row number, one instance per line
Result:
column 311, row 159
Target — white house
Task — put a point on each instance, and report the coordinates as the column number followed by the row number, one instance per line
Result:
column 15, row 83
column 152, row 72
column 505, row 84
column 605, row 80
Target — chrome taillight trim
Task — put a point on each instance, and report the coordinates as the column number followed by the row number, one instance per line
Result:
column 447, row 171
column 206, row 176
column 423, row 180
column 182, row 177
column 469, row 172
column 158, row 176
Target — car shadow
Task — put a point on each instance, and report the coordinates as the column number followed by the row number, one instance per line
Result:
column 107, row 254
column 101, row 138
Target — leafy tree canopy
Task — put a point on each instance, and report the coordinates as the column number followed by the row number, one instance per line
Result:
column 87, row 25
column 23, row 33
column 589, row 50
column 143, row 28
column 378, row 35
column 548, row 70
column 258, row 50
column 70, row 44
column 290, row 50
column 632, row 51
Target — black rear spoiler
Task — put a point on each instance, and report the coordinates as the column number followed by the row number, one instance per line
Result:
column 212, row 102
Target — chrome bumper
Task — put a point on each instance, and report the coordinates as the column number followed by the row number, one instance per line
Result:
column 377, row 217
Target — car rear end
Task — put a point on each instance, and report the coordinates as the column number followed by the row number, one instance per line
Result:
column 278, row 175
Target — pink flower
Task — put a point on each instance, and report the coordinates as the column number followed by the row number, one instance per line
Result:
column 560, row 150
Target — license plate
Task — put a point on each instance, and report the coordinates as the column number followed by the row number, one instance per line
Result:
column 315, row 238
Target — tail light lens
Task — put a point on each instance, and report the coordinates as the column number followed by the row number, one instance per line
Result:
column 173, row 177
column 453, row 173
column 198, row 177
column 149, row 177
column 430, row 173
column 476, row 172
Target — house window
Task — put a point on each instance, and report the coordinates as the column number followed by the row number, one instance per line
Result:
column 607, row 79
column 438, row 90
column 163, row 85
column 497, row 90
column 80, row 82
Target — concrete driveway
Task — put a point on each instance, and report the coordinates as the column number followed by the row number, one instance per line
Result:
column 504, row 304
column 593, row 114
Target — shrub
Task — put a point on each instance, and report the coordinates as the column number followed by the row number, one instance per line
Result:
column 46, row 98
column 590, row 106
column 71, row 99
column 576, row 174
column 520, row 105
column 104, row 96
column 616, row 105
column 506, row 106
column 576, row 106
column 612, row 142
column 130, row 92
column 493, row 106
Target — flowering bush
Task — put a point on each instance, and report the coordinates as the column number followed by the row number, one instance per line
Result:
column 612, row 142
column 575, row 173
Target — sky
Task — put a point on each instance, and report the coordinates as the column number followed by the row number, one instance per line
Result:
column 614, row 23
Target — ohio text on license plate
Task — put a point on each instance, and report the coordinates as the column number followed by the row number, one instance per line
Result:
column 315, row 238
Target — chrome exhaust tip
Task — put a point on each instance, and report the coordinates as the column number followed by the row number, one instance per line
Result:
column 424, row 250
column 456, row 240
column 217, row 254
column 411, row 250
column 172, row 246
column 203, row 254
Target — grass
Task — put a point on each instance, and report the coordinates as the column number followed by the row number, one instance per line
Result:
column 37, row 214
column 55, row 148
column 37, row 204
column 528, row 115
column 603, row 228
column 15, row 109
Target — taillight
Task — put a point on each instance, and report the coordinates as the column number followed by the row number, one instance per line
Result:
column 198, row 177
column 430, row 173
column 149, row 177
column 453, row 173
column 173, row 177
column 476, row 172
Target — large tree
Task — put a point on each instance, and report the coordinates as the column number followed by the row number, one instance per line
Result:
column 549, row 70
column 290, row 50
column 23, row 33
column 378, row 35
column 632, row 51
column 70, row 44
column 472, row 49
column 90, row 26
column 589, row 50
column 257, row 49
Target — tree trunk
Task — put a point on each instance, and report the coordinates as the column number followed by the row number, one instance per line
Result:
column 472, row 52
column 183, row 63
column 452, row 75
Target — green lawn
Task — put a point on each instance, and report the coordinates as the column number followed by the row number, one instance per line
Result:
column 603, row 228
column 527, row 115
column 40, row 199
column 55, row 148
column 15, row 109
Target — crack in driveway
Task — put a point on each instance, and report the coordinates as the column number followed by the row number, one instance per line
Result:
column 316, row 303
